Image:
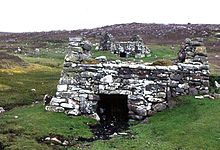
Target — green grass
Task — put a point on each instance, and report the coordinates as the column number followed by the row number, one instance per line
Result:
column 192, row 124
column 212, row 37
column 214, row 69
column 108, row 55
column 162, row 52
column 57, row 45
column 50, row 53
column 157, row 52
column 4, row 87
column 41, row 74
column 34, row 123
column 21, row 84
column 50, row 62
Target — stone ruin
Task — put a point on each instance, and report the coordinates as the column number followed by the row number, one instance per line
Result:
column 80, row 49
column 107, row 43
column 133, row 48
column 129, row 90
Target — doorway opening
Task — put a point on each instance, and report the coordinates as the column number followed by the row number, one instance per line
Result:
column 113, row 108
column 123, row 54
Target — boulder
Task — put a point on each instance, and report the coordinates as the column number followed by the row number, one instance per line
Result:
column 159, row 107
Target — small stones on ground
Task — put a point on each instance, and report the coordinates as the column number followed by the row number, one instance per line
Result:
column 47, row 139
column 33, row 90
column 56, row 140
column 113, row 135
column 123, row 133
column 217, row 95
column 206, row 96
column 2, row 110
column 211, row 97
column 65, row 143
column 145, row 121
column 199, row 97
column 217, row 85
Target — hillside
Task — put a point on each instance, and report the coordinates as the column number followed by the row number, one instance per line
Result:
column 27, row 75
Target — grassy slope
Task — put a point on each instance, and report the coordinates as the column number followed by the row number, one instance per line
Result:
column 19, row 93
column 42, row 74
column 34, row 122
column 157, row 52
column 193, row 124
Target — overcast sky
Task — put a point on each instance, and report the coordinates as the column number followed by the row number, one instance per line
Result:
column 46, row 15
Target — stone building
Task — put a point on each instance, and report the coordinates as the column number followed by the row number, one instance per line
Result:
column 127, row 89
column 133, row 48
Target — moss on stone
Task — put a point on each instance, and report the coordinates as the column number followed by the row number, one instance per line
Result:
column 163, row 62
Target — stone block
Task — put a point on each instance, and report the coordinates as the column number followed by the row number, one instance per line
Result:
column 74, row 112
column 154, row 100
column 193, row 91
column 58, row 100
column 136, row 117
column 62, row 88
column 107, row 79
column 54, row 109
column 67, row 105
column 161, row 95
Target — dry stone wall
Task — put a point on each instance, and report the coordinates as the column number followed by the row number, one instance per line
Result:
column 148, row 88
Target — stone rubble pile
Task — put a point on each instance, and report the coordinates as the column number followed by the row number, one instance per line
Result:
column 148, row 88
